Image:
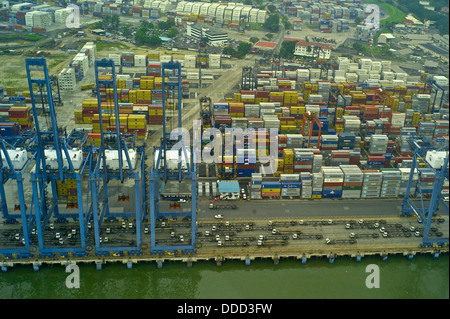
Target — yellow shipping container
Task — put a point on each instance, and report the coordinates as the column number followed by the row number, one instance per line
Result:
column 87, row 120
column 121, row 83
column 147, row 84
column 136, row 118
column 154, row 55
column 89, row 102
column 270, row 190
column 280, row 162
column 123, row 119
column 306, row 96
column 288, row 127
column 276, row 93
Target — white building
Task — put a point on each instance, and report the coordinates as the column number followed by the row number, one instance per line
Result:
column 385, row 38
column 303, row 48
column 214, row 36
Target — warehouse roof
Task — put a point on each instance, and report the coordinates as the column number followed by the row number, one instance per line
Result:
column 228, row 187
column 265, row 45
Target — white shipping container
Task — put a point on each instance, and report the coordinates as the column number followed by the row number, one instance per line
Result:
column 140, row 60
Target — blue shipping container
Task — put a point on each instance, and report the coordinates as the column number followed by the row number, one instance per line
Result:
column 291, row 185
column 271, row 185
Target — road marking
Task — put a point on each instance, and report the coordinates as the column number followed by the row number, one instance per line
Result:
column 346, row 208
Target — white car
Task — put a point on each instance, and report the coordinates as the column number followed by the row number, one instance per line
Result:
column 446, row 199
column 219, row 216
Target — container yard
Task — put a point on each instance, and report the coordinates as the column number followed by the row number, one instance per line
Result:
column 360, row 151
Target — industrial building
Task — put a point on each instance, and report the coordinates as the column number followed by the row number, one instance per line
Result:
column 214, row 36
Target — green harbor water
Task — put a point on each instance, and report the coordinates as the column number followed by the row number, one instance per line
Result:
column 422, row 277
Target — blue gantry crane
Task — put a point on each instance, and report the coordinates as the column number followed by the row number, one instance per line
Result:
column 56, row 160
column 434, row 86
column 424, row 149
column 117, row 158
column 174, row 167
column 336, row 93
column 17, row 153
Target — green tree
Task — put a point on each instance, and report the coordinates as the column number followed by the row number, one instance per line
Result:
column 126, row 30
column 243, row 49
column 172, row 33
column 140, row 36
column 287, row 49
column 228, row 51
column 106, row 21
column 286, row 23
column 358, row 47
column 272, row 23
column 115, row 21
column 272, row 8
column 269, row 36
column 254, row 40
column 154, row 40
column 166, row 25
column 146, row 26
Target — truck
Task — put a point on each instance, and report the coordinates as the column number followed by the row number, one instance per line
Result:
column 87, row 86
column 232, row 244
column 213, row 205
column 272, row 242
column 174, row 205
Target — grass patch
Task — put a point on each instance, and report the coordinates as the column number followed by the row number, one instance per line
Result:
column 56, row 61
column 255, row 26
column 104, row 46
column 24, row 37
